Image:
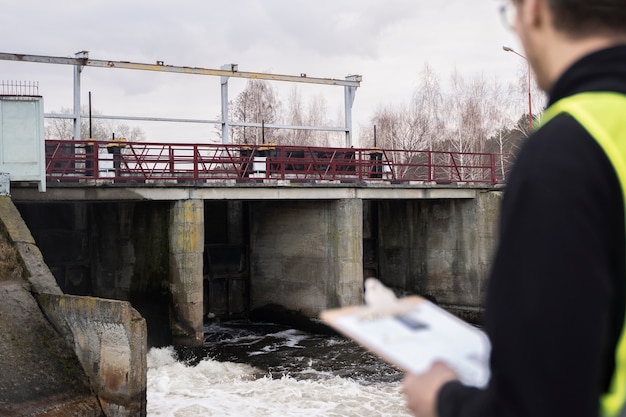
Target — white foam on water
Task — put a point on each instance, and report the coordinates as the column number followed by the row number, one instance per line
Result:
column 227, row 389
column 292, row 337
column 287, row 338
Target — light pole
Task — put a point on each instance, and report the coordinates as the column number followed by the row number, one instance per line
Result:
column 530, row 105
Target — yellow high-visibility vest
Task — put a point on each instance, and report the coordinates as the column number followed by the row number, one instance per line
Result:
column 603, row 115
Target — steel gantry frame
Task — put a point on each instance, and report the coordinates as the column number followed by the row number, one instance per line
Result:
column 81, row 60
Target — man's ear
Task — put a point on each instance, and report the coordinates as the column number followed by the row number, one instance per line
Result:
column 535, row 13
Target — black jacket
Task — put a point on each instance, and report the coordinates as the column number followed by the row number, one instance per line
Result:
column 556, row 296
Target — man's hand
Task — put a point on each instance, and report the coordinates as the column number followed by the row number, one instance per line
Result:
column 421, row 390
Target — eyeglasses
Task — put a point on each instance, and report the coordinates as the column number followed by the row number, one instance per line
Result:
column 508, row 13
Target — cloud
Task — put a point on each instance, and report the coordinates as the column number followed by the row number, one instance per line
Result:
column 385, row 41
column 346, row 28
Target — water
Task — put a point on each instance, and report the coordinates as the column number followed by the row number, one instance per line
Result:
column 248, row 370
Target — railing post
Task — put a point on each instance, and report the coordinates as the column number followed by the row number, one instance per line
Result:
column 89, row 157
column 376, row 168
column 430, row 166
column 171, row 159
column 196, row 162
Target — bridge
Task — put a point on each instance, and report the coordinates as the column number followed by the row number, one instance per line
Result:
column 188, row 231
column 224, row 228
column 214, row 229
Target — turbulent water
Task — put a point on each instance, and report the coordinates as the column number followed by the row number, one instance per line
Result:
column 248, row 369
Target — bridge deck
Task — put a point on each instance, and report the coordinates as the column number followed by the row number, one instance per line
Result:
column 233, row 191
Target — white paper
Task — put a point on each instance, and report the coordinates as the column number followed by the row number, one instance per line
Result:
column 414, row 340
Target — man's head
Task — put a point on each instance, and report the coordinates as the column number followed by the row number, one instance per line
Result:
column 555, row 33
column 580, row 18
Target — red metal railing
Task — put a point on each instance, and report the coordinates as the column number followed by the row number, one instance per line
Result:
column 158, row 162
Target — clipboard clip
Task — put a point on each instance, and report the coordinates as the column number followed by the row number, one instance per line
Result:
column 381, row 301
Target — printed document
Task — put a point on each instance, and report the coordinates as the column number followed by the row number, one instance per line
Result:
column 415, row 333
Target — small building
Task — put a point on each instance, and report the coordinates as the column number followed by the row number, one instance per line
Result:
column 22, row 141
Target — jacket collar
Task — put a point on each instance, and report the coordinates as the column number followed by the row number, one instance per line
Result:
column 604, row 70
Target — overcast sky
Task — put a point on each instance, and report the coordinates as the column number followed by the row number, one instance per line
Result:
column 387, row 42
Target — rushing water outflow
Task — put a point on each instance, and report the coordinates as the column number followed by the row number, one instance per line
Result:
column 248, row 369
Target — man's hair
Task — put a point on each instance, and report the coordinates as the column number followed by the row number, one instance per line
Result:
column 588, row 17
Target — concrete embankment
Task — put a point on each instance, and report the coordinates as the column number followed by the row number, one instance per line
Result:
column 62, row 355
column 39, row 373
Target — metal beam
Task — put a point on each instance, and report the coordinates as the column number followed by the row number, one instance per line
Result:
column 353, row 81
column 133, row 118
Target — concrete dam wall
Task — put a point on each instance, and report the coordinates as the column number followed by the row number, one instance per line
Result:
column 123, row 276
column 177, row 262
column 62, row 355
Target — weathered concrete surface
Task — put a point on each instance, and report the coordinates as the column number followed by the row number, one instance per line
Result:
column 39, row 275
column 116, row 251
column 186, row 237
column 442, row 249
column 110, row 340
column 307, row 255
column 348, row 246
column 272, row 190
column 40, row 373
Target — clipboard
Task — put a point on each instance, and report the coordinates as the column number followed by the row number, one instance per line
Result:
column 420, row 334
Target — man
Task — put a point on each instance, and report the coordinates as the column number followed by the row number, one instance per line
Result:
column 556, row 297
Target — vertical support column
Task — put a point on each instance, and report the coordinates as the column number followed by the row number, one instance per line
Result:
column 349, row 251
column 186, row 238
column 349, row 93
column 77, row 70
column 225, row 122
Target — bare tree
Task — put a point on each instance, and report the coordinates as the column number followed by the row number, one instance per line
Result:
column 427, row 108
column 101, row 129
column 313, row 113
column 257, row 103
column 499, row 112
column 469, row 117
column 317, row 116
column 296, row 117
column 467, row 121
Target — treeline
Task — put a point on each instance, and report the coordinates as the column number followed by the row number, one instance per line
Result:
column 467, row 115
column 101, row 129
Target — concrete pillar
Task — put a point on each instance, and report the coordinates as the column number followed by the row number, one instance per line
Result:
column 186, row 236
column 306, row 255
column 439, row 248
column 349, row 250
